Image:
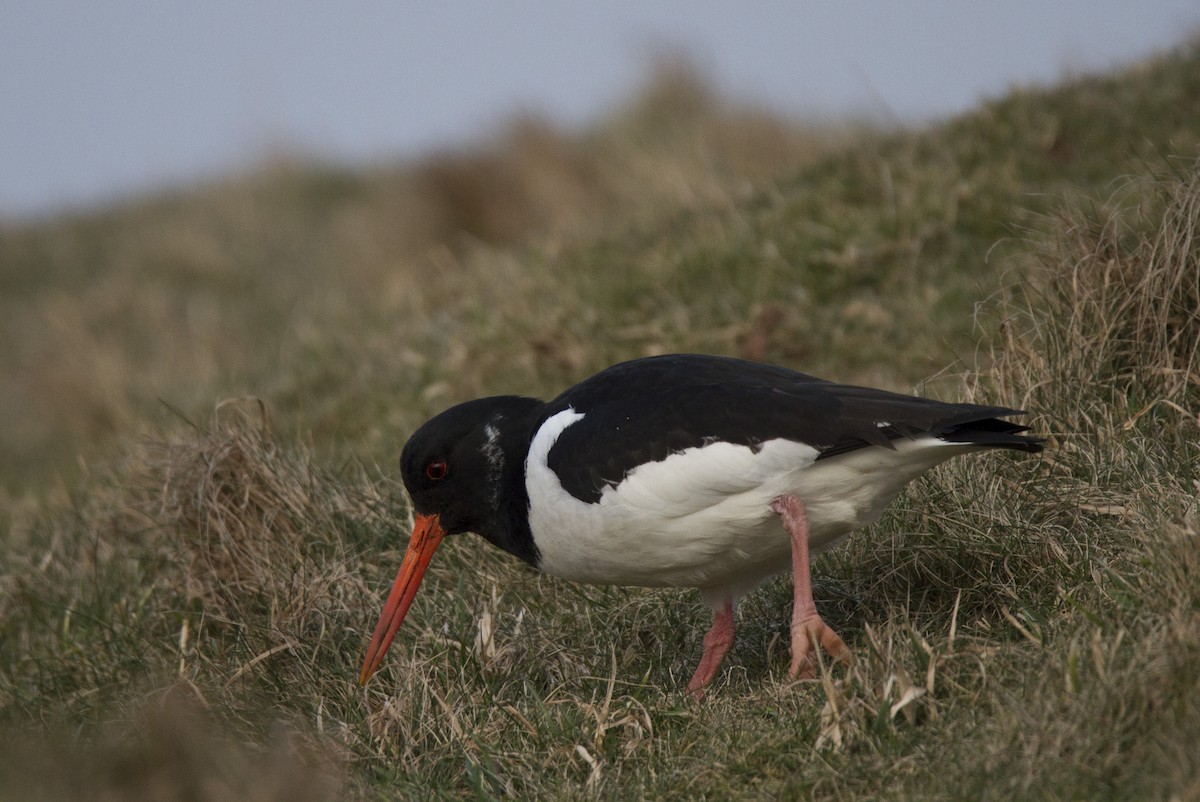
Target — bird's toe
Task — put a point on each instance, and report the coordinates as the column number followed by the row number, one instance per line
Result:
column 807, row 637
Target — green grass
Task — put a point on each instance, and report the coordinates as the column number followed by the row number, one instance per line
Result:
column 189, row 578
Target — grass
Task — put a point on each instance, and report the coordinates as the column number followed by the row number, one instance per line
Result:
column 205, row 395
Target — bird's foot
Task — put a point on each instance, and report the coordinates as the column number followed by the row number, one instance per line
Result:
column 808, row 635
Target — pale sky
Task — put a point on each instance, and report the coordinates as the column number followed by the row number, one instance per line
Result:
column 108, row 99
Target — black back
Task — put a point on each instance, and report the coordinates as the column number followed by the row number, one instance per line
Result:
column 647, row 409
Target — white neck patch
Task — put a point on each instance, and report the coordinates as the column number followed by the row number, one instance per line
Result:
column 495, row 457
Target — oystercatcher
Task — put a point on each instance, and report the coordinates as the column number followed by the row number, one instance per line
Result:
column 679, row 471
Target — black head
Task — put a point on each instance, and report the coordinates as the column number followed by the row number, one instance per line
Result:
column 455, row 463
column 463, row 469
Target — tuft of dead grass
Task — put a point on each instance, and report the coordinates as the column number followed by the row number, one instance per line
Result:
column 1122, row 284
column 252, row 532
column 214, row 561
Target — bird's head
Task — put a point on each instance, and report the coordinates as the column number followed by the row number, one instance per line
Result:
column 452, row 467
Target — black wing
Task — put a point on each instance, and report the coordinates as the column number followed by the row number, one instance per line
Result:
column 645, row 410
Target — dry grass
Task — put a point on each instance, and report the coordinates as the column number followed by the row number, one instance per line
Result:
column 229, row 289
column 1063, row 607
column 1121, row 281
column 1022, row 628
column 1115, row 355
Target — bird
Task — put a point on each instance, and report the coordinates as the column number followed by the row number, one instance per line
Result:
column 681, row 470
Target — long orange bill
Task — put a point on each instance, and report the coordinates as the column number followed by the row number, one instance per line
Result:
column 427, row 534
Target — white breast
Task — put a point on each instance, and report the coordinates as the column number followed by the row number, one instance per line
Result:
column 702, row 517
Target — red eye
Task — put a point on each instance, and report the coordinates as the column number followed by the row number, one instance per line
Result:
column 436, row 470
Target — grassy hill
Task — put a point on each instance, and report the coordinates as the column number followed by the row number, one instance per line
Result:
column 205, row 394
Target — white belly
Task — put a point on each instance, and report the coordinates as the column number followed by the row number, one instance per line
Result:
column 702, row 517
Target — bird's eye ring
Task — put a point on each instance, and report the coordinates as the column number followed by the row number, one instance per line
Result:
column 437, row 470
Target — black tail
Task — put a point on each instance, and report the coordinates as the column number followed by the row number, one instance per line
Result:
column 992, row 432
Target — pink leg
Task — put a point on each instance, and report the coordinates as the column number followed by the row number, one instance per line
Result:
column 808, row 630
column 716, row 643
